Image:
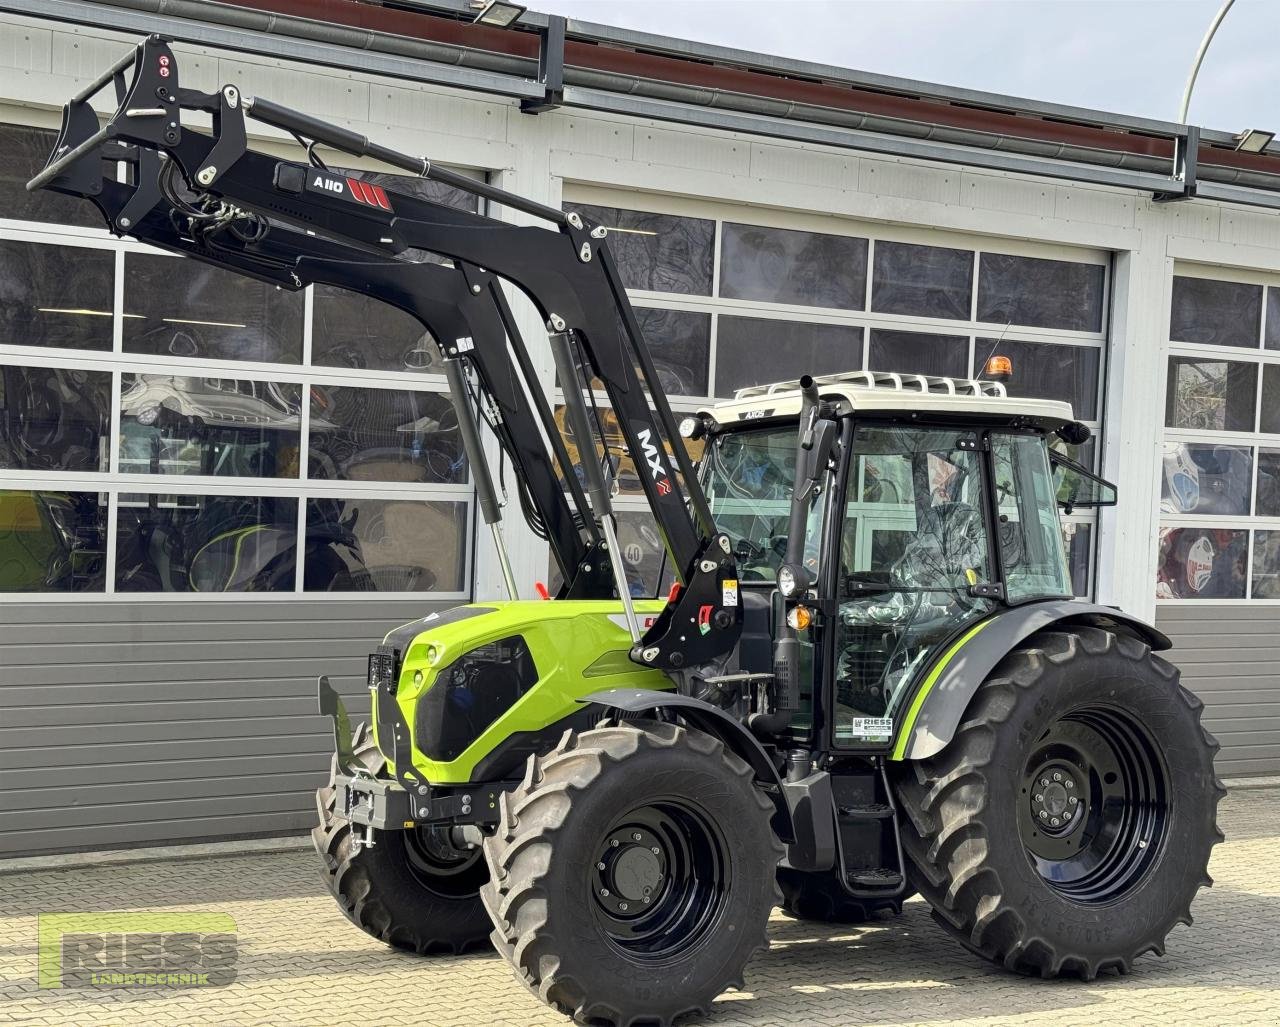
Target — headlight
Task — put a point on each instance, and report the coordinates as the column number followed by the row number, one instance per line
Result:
column 792, row 580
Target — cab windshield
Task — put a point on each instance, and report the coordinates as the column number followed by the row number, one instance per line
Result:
column 748, row 477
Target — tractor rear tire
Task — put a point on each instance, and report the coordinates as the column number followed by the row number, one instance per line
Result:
column 632, row 874
column 409, row 890
column 1067, row 826
column 818, row 895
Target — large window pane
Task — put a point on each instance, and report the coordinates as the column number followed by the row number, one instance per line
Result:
column 217, row 426
column 1210, row 395
column 355, row 331
column 23, row 152
column 1206, row 479
column 1201, row 563
column 918, row 353
column 780, row 266
column 1215, row 313
column 1269, row 414
column 930, row 281
column 657, row 252
column 756, row 351
column 53, row 419
column 1266, row 565
column 1040, row 293
column 384, row 435
column 179, row 308
column 56, row 295
column 1045, row 370
column 680, row 343
column 1268, row 498
column 206, row 543
column 52, row 541
column 384, row 545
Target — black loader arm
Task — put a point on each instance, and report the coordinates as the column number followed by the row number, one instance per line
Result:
column 207, row 195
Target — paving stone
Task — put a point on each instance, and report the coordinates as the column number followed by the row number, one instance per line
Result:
column 302, row 963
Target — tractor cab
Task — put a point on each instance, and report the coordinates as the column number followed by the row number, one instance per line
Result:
column 932, row 503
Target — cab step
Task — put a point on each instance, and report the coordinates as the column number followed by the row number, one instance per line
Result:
column 870, row 850
column 869, row 811
column 885, row 878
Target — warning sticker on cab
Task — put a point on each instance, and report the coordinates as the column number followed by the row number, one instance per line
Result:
column 729, row 592
column 869, row 727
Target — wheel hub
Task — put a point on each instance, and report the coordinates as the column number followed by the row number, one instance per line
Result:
column 1059, row 801
column 630, row 871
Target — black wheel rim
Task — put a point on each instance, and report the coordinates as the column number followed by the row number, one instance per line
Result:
column 442, row 868
column 1093, row 808
column 659, row 879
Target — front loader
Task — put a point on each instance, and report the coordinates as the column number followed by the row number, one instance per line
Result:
column 870, row 678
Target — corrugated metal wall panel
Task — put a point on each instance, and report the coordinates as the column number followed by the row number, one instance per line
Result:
column 1230, row 657
column 125, row 723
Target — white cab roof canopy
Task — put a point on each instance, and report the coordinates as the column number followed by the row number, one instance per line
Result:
column 882, row 391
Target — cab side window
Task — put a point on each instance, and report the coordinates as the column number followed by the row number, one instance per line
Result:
column 1030, row 536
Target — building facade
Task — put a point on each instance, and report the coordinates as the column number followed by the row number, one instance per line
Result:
column 212, row 491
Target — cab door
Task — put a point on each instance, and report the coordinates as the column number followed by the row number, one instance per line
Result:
column 914, row 568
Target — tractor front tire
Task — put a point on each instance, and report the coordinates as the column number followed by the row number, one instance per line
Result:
column 632, row 874
column 1067, row 826
column 818, row 895
column 410, row 890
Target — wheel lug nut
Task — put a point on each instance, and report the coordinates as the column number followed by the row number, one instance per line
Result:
column 1039, row 798
column 1044, row 782
column 1044, row 815
column 636, row 836
column 1054, row 822
column 1057, row 776
column 604, row 893
column 599, row 866
column 656, row 851
column 647, row 900
column 1070, row 783
column 614, row 842
column 1073, row 800
column 622, row 906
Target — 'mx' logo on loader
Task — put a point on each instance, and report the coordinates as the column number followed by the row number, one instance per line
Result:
column 653, row 457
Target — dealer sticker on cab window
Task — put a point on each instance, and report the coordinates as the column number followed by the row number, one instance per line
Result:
column 729, row 592
column 870, row 727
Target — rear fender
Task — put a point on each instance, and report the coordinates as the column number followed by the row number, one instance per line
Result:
column 938, row 704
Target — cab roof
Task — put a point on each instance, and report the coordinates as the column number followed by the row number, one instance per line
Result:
column 856, row 392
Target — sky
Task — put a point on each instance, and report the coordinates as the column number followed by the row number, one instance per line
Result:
column 1123, row 56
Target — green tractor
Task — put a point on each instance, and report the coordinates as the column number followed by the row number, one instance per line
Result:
column 869, row 679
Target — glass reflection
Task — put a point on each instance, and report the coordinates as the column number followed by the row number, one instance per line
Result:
column 384, row 545
column 778, row 265
column 180, row 308
column 52, row 541
column 384, row 435
column 56, row 295
column 171, row 424
column 54, row 419
column 179, row 543
column 1206, row 479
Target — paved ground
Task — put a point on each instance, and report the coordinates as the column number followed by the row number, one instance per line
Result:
column 302, row 963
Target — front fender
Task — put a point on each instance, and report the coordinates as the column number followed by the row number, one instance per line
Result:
column 938, row 703
column 713, row 721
